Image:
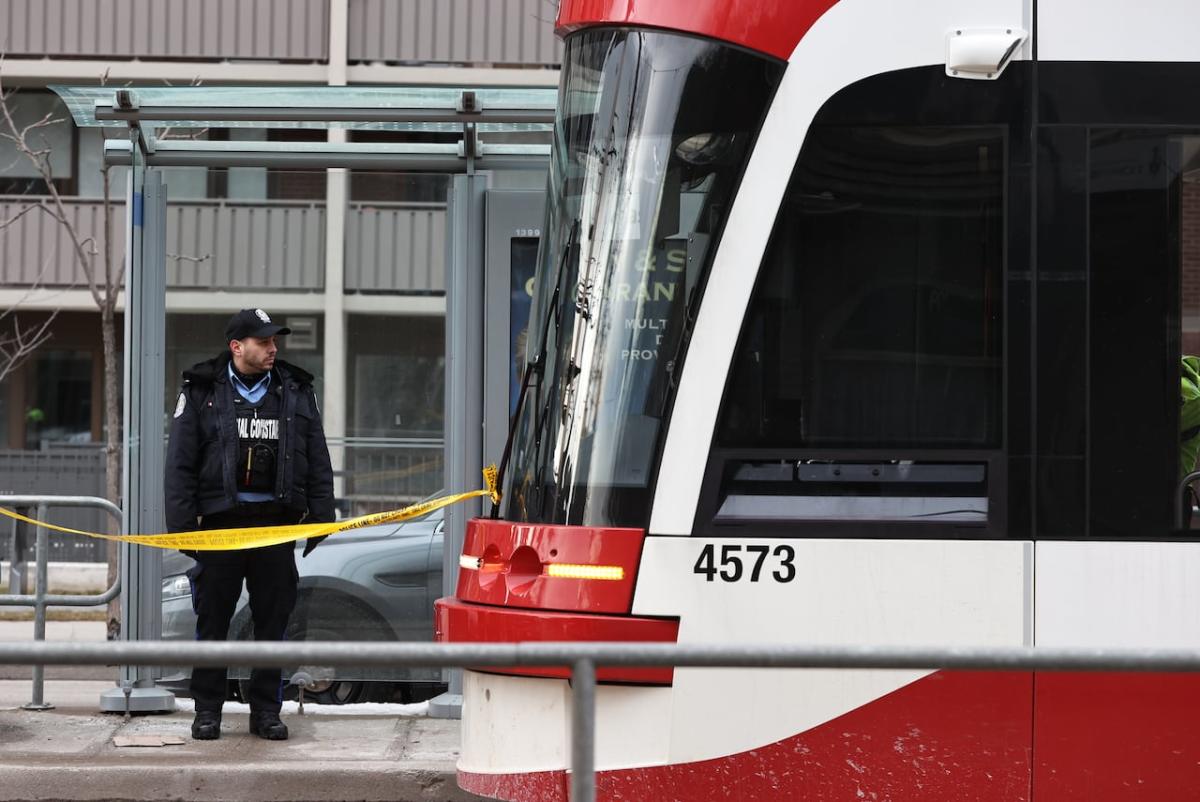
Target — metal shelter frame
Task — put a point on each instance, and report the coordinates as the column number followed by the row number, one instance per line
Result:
column 469, row 113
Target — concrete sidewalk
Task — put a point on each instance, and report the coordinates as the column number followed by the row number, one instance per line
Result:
column 366, row 752
column 69, row 754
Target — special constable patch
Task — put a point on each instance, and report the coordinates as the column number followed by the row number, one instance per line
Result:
column 180, row 406
column 258, row 428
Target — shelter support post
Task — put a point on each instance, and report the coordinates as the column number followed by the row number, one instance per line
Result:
column 144, row 446
column 464, row 388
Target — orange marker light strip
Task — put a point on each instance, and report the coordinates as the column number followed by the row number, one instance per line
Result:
column 577, row 571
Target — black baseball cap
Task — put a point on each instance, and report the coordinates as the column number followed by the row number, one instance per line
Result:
column 252, row 323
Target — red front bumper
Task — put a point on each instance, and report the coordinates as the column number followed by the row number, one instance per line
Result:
column 505, row 594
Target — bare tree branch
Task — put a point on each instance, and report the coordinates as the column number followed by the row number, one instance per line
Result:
column 41, row 163
column 48, row 120
column 86, row 254
column 16, row 160
column 93, row 250
column 114, row 274
column 26, row 209
column 18, row 342
column 30, row 291
column 197, row 133
column 554, row 5
column 184, row 258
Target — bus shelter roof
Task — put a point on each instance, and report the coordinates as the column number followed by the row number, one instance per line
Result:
column 364, row 108
column 519, row 119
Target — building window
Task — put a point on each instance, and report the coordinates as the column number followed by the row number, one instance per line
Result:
column 18, row 176
column 59, row 404
column 395, row 399
column 397, row 376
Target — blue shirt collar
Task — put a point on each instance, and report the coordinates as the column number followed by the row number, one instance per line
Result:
column 251, row 394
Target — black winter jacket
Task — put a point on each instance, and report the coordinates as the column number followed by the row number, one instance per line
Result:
column 202, row 451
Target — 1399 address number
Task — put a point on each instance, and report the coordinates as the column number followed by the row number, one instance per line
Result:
column 738, row 562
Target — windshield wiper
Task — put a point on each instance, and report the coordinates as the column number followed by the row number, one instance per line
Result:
column 536, row 367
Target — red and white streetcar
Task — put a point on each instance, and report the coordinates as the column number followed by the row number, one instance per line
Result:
column 856, row 322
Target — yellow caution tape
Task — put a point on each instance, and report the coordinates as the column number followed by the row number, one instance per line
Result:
column 259, row 536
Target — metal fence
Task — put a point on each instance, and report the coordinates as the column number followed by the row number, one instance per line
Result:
column 246, row 245
column 518, row 32
column 237, row 245
column 382, row 473
column 295, row 30
column 41, row 598
column 396, row 247
column 453, row 31
column 36, row 249
column 69, row 471
column 583, row 658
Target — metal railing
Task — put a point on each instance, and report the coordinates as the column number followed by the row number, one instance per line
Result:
column 584, row 657
column 61, row 470
column 501, row 32
column 41, row 598
column 297, row 30
column 382, row 473
column 240, row 244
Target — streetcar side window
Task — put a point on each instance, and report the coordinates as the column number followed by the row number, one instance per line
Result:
column 968, row 326
column 1117, row 292
column 1139, row 299
column 868, row 381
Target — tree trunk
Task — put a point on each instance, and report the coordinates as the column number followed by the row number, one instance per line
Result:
column 112, row 449
column 112, row 398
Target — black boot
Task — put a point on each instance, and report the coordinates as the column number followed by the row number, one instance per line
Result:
column 268, row 725
column 206, row 726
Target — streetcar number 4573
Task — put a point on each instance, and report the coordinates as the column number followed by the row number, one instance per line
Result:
column 748, row 562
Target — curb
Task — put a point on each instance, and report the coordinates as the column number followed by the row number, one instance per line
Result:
column 66, row 577
column 370, row 781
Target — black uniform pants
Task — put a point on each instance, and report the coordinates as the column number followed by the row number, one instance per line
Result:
column 270, row 577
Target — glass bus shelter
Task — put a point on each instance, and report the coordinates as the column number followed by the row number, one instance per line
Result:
column 470, row 134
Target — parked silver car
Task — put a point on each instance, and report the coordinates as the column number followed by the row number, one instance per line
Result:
column 375, row 583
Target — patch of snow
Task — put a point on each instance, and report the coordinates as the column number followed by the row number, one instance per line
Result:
column 415, row 710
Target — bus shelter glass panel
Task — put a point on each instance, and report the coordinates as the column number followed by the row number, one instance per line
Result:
column 371, row 584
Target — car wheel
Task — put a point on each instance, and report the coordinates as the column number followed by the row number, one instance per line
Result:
column 323, row 619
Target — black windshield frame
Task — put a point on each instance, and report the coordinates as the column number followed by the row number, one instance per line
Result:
column 652, row 136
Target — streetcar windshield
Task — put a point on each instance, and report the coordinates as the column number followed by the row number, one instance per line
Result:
column 652, row 135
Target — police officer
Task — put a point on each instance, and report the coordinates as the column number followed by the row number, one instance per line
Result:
column 247, row 449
